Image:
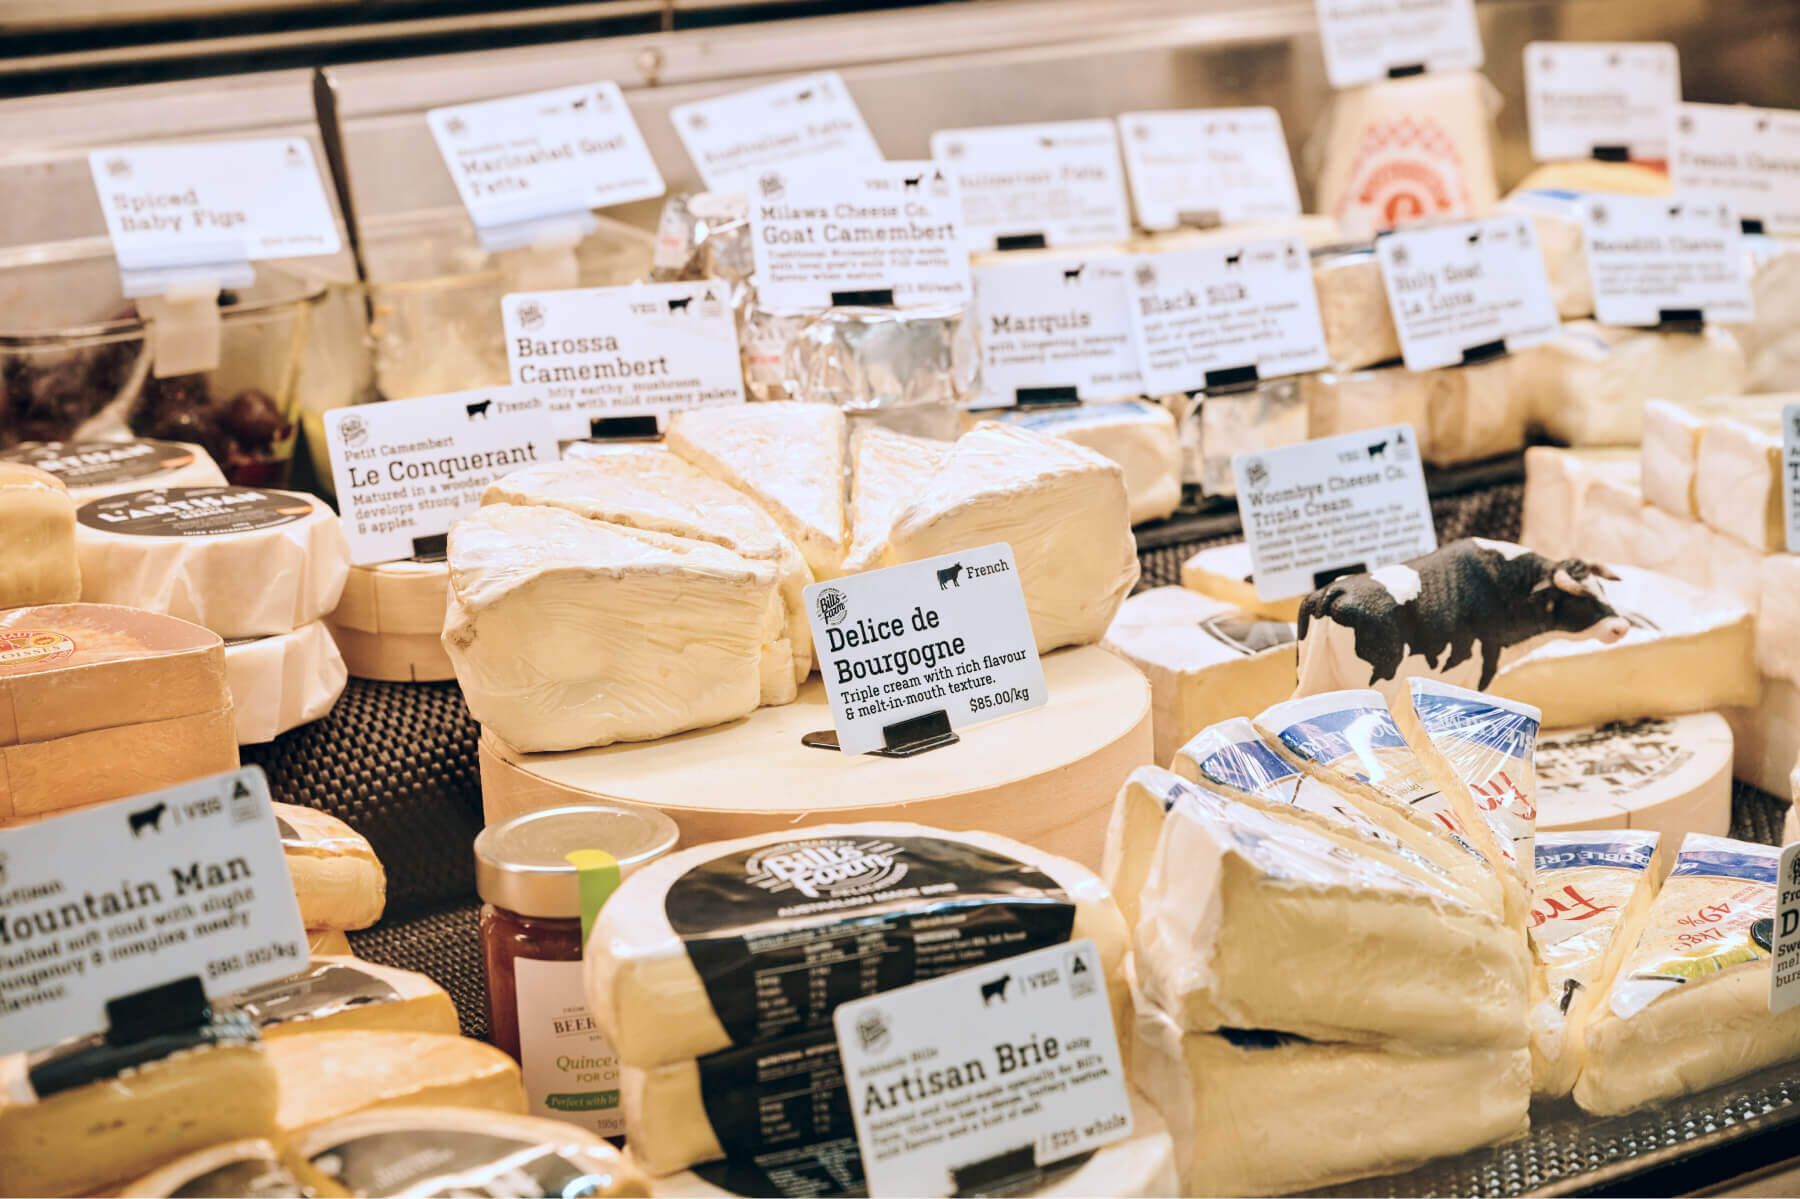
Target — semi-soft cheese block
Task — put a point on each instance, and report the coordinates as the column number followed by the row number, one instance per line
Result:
column 337, row 877
column 41, row 778
column 1670, row 775
column 91, row 469
column 888, row 470
column 788, row 457
column 1205, row 660
column 283, row 681
column 1690, row 1006
column 1140, row 436
column 567, row 632
column 1216, row 428
column 1766, row 737
column 1587, row 385
column 324, row 1075
column 1064, row 510
column 1224, row 572
column 1460, row 413
column 671, row 975
column 1670, row 451
column 1738, row 480
column 1556, row 484
column 37, row 538
column 1778, row 617
column 1771, row 340
column 343, row 993
column 1353, row 307
column 1591, row 893
column 1611, row 531
column 1247, row 921
column 242, row 561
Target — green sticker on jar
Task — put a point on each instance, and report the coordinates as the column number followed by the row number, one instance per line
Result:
column 597, row 876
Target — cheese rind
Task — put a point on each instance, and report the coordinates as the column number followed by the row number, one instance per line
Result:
column 37, row 539
column 1224, row 572
column 1140, row 436
column 889, row 468
column 338, row 880
column 325, row 1075
column 283, row 681
column 1670, row 452
column 1738, row 483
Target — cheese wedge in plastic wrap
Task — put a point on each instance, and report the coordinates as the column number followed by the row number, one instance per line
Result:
column 1689, row 1008
column 1587, row 385
column 325, row 1075
column 37, row 539
column 343, row 993
column 1587, row 905
column 788, row 457
column 1224, row 572
column 887, row 470
column 1140, row 436
column 647, row 487
column 1247, row 921
column 337, row 878
column 1063, row 509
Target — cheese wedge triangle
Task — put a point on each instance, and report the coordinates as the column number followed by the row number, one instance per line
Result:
column 888, row 470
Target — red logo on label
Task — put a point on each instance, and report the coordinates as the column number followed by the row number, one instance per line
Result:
column 1579, row 907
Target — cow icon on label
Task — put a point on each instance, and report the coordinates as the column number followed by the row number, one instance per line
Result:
column 680, row 305
column 1378, row 450
column 478, row 409
column 996, row 989
column 950, row 575
column 149, row 818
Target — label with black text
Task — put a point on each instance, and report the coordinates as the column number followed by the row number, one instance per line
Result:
column 1746, row 157
column 1208, row 166
column 1056, row 323
column 1462, row 290
column 1790, row 465
column 1784, row 970
column 812, row 120
column 1060, row 182
column 1650, row 256
column 1586, row 96
column 1367, row 40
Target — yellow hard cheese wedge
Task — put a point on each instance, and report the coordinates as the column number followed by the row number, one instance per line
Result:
column 325, row 1075
column 334, row 994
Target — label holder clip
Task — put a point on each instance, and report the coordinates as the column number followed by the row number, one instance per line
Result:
column 904, row 739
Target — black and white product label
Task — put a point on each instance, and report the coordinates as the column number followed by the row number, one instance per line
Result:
column 962, row 1084
column 1061, row 182
column 1586, row 96
column 782, row 934
column 1463, row 290
column 812, row 120
column 1746, row 157
column 1207, row 315
column 824, row 236
column 1790, row 466
column 1651, row 256
column 409, row 469
column 547, row 154
column 1332, row 506
column 1056, row 324
column 104, row 463
column 194, row 511
column 782, row 1116
column 111, row 900
column 1367, row 40
column 427, row 1161
column 1784, row 971
column 321, row 989
column 947, row 635
column 256, row 1175
column 600, row 352
column 1208, row 166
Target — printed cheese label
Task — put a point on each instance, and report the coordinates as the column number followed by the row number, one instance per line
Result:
column 781, row 1112
column 812, row 120
column 1490, row 744
column 122, row 897
column 571, row 1072
column 1056, row 327
column 1747, row 158
column 99, row 463
column 194, row 511
column 1463, row 291
column 1208, row 166
column 972, row 1082
column 1790, row 465
column 1058, row 184
column 1584, row 97
column 1405, row 169
column 33, row 649
column 1581, row 893
column 1784, row 973
column 1653, row 258
column 1367, row 40
column 1237, row 757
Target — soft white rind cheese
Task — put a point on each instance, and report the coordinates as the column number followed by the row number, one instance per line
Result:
column 888, row 469
column 1140, row 436
column 1671, row 448
column 1460, row 413
column 284, row 681
column 338, row 880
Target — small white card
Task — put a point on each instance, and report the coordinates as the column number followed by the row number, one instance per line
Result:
column 1320, row 508
column 1790, row 461
column 203, row 203
column 599, row 352
column 822, row 236
column 947, row 634
column 1365, row 40
column 1585, row 96
column 1653, row 256
column 1061, row 182
column 966, row 1082
column 1208, row 166
column 407, row 470
column 1746, row 157
column 544, row 155
column 1460, row 287
column 1205, row 315
column 1055, row 324
column 812, row 120
column 111, row 900
column 1784, row 969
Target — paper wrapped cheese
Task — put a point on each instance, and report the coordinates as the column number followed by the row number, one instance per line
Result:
column 283, row 681
column 91, row 469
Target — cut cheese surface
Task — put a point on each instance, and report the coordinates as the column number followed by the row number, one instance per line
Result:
column 37, row 538
column 1670, row 775
column 325, row 1075
column 1062, row 508
column 1738, row 480
column 1353, row 307
column 1670, row 453
column 1587, row 385
column 788, row 457
column 1766, row 738
column 1224, row 572
column 889, row 469
column 91, row 469
column 1778, row 618
column 567, row 632
column 337, row 877
column 1140, row 436
column 1556, row 484
column 283, row 681
column 343, row 993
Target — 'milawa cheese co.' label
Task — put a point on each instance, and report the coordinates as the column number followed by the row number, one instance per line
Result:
column 810, row 120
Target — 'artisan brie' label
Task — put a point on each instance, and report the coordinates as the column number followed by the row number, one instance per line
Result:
column 407, row 470
column 1208, row 166
column 115, row 899
column 946, row 635
column 1746, row 157
column 964, row 1083
column 1225, row 314
column 599, row 352
column 1336, row 505
column 876, row 233
column 1047, row 185
column 1784, row 976
column 1056, row 325
column 1582, row 97
column 1463, row 291
column 812, row 120
column 1790, row 465
column 1366, row 40
column 1655, row 258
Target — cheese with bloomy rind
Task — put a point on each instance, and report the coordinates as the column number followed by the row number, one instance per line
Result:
column 325, row 1075
column 335, row 994
column 1738, row 480
column 1246, row 921
column 1224, row 572
column 1460, row 413
column 337, row 877
column 37, row 539
column 1140, row 436
column 788, row 457
column 654, row 1002
column 1590, row 896
column 567, row 632
column 1670, row 775
column 1587, row 385
column 1556, row 485
column 283, row 681
column 1689, row 1008
column 888, row 470
column 1063, row 509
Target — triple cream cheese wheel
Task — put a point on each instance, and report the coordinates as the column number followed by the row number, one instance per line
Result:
column 1672, row 776
column 282, row 681
column 91, row 469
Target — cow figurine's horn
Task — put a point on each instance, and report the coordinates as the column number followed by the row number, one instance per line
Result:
column 1564, row 581
column 1601, row 572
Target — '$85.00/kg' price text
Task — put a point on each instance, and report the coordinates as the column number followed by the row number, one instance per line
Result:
column 262, row 954
column 979, row 703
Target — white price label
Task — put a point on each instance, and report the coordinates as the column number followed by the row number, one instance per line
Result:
column 1581, row 97
column 1366, row 40
column 1056, row 325
column 1208, row 166
column 1784, row 968
column 599, row 352
column 1340, row 504
column 1206, row 316
column 122, row 897
column 1746, row 157
column 810, row 120
column 544, row 155
column 1060, row 183
column 975, row 1080
column 1656, row 258
column 407, row 470
column 1790, row 461
column 1473, row 285
column 947, row 634
column 822, row 237
column 206, row 203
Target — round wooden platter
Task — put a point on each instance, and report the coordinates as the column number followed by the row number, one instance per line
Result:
column 1046, row 777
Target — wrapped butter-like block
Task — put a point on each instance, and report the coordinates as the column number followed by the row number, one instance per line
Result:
column 1353, row 307
column 1738, row 484
column 1140, row 436
column 920, row 360
column 1588, row 384
column 283, row 681
column 1460, row 413
column 1556, row 485
column 1217, row 426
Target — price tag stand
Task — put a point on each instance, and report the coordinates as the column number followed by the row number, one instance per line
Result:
column 142, row 1027
column 904, row 739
